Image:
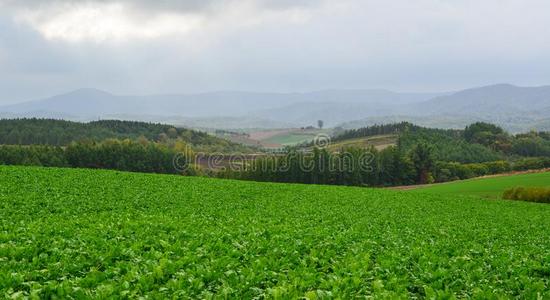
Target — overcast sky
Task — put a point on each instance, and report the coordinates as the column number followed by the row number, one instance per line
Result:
column 167, row 46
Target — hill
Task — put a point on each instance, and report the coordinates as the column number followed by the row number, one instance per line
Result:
column 515, row 108
column 448, row 145
column 491, row 187
column 61, row 133
column 379, row 142
column 495, row 101
column 220, row 108
column 338, row 106
column 102, row 234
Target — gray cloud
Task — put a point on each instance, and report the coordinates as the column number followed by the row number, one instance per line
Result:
column 180, row 6
column 48, row 48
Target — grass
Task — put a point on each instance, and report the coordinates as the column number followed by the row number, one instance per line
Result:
column 292, row 138
column 491, row 187
column 379, row 142
column 105, row 234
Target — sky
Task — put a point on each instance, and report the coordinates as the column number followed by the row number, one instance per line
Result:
column 48, row 47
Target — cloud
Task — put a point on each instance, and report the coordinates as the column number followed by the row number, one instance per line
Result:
column 162, row 46
column 124, row 20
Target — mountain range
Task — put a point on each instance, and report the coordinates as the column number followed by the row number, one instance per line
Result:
column 515, row 108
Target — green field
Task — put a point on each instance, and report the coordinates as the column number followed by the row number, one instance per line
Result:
column 293, row 137
column 492, row 187
column 379, row 142
column 290, row 139
column 106, row 234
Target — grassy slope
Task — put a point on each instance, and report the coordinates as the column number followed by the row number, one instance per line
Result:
column 100, row 233
column 290, row 139
column 379, row 141
column 294, row 137
column 492, row 187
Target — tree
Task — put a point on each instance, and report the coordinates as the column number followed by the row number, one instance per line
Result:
column 422, row 158
column 488, row 135
column 172, row 133
column 320, row 124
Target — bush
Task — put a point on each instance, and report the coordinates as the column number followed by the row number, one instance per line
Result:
column 125, row 155
column 534, row 163
column 447, row 171
column 534, row 194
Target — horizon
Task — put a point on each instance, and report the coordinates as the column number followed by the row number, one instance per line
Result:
column 93, row 89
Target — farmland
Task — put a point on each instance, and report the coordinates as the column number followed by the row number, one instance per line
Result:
column 491, row 187
column 102, row 234
column 286, row 137
column 379, row 142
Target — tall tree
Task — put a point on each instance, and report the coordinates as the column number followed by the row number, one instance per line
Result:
column 423, row 160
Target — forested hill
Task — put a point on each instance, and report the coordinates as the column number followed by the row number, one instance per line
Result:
column 61, row 133
column 479, row 142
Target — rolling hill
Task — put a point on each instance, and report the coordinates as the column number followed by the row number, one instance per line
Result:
column 62, row 133
column 491, row 187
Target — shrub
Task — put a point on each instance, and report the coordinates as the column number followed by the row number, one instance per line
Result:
column 533, row 163
column 533, row 194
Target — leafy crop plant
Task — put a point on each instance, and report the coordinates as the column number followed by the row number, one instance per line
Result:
column 70, row 233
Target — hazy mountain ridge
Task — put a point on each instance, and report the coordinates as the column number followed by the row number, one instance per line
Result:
column 252, row 109
column 515, row 108
column 490, row 101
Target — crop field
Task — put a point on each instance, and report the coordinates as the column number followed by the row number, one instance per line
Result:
column 291, row 138
column 491, row 187
column 106, row 234
column 294, row 136
column 286, row 137
column 379, row 142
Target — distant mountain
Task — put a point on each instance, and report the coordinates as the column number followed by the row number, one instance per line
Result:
column 515, row 108
column 432, row 121
column 334, row 107
column 78, row 103
column 206, row 123
column 86, row 104
column 493, row 101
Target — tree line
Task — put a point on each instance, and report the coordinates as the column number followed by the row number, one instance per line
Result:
column 123, row 155
column 34, row 131
column 371, row 167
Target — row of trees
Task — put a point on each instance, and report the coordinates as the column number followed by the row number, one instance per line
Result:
column 123, row 155
column 370, row 167
column 62, row 133
column 354, row 166
column 361, row 167
column 374, row 130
